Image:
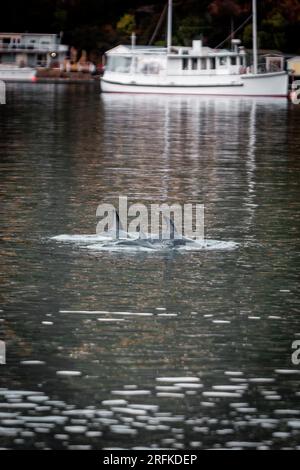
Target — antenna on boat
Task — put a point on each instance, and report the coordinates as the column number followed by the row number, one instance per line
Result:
column 133, row 40
column 254, row 28
column 169, row 39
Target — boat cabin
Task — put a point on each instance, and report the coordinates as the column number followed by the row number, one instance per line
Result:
column 195, row 60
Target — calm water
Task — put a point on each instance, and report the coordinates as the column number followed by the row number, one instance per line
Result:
column 210, row 365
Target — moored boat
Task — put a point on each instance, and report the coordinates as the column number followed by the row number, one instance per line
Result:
column 13, row 73
column 190, row 70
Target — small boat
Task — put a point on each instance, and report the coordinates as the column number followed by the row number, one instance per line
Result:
column 190, row 70
column 14, row 73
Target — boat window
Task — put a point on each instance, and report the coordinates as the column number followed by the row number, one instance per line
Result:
column 233, row 60
column 223, row 61
column 149, row 65
column 212, row 63
column 194, row 63
column 203, row 63
column 118, row 64
column 185, row 64
column 150, row 68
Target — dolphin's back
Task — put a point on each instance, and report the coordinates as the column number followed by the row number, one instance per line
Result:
column 118, row 224
column 171, row 226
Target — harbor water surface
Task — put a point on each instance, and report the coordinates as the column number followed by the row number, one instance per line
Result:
column 128, row 350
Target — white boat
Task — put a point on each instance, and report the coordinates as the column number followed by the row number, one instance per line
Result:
column 14, row 73
column 190, row 70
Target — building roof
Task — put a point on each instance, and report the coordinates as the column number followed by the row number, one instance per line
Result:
column 177, row 51
column 294, row 59
column 124, row 49
column 27, row 34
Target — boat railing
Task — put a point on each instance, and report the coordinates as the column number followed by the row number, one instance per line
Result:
column 34, row 47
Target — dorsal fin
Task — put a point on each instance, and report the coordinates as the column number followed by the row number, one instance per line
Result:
column 171, row 226
column 118, row 224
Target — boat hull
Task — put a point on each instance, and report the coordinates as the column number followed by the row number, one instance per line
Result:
column 268, row 84
column 17, row 74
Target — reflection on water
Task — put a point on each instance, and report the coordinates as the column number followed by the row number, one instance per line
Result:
column 180, row 351
column 134, row 244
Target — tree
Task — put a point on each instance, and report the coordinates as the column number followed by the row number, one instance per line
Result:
column 225, row 8
column 91, row 25
column 126, row 25
column 189, row 28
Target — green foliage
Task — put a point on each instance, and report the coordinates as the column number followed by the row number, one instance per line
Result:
column 276, row 21
column 272, row 33
column 189, row 28
column 60, row 19
column 160, row 43
column 126, row 25
column 247, row 35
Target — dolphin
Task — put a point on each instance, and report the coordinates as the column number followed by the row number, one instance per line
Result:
column 115, row 232
column 124, row 238
column 117, row 236
column 176, row 240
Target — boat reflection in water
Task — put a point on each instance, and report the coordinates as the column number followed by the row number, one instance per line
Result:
column 196, row 345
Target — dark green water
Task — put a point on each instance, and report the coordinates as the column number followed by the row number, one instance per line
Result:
column 235, row 313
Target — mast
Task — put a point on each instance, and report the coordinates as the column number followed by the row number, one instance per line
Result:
column 254, row 28
column 169, row 40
